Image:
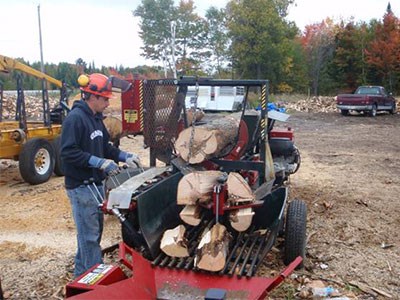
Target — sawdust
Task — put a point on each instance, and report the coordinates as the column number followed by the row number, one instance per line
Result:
column 349, row 178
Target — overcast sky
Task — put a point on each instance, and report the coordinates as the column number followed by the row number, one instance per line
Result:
column 106, row 33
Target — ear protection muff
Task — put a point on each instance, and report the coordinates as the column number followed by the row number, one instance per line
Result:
column 83, row 80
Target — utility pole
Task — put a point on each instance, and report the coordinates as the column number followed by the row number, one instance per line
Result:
column 45, row 94
column 40, row 39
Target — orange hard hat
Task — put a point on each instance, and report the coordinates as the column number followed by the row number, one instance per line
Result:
column 97, row 84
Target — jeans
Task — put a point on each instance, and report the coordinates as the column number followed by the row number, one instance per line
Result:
column 89, row 226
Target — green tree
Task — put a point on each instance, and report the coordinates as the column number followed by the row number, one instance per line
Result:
column 156, row 17
column 218, row 41
column 262, row 40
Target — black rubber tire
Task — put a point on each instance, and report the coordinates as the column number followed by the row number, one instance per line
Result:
column 58, row 170
column 373, row 111
column 344, row 112
column 295, row 231
column 36, row 161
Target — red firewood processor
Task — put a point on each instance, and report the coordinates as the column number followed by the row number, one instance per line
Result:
column 201, row 226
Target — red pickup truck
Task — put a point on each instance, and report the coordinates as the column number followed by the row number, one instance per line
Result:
column 367, row 99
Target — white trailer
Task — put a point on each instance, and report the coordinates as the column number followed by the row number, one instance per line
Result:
column 215, row 98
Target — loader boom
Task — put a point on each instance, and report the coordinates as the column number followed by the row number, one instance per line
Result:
column 8, row 64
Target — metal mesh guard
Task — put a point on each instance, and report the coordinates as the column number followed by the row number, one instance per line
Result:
column 161, row 112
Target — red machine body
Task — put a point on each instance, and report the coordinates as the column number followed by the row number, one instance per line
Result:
column 147, row 282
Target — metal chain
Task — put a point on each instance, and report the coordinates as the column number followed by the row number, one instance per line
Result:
column 193, row 119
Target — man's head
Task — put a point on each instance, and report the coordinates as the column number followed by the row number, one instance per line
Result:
column 96, row 91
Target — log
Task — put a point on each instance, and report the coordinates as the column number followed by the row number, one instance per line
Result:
column 213, row 249
column 199, row 143
column 191, row 215
column 197, row 187
column 238, row 189
column 173, row 242
column 193, row 116
column 240, row 219
column 114, row 128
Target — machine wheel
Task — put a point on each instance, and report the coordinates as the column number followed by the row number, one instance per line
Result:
column 344, row 112
column 295, row 231
column 372, row 113
column 57, row 155
column 36, row 161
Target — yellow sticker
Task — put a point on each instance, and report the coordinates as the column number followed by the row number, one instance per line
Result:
column 130, row 115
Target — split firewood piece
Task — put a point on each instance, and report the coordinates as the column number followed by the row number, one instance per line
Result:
column 213, row 249
column 238, row 189
column 197, row 187
column 207, row 140
column 240, row 219
column 191, row 215
column 173, row 242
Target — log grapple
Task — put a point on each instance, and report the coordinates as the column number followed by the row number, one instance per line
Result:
column 146, row 202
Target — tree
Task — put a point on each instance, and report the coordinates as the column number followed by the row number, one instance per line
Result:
column 217, row 39
column 384, row 51
column 318, row 42
column 156, row 17
column 262, row 40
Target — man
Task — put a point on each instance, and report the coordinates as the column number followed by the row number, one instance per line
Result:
column 86, row 154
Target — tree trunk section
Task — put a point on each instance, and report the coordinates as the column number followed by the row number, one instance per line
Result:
column 199, row 143
column 240, row 219
column 213, row 249
column 197, row 187
column 191, row 215
column 173, row 242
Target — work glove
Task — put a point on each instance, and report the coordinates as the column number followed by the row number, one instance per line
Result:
column 108, row 166
column 132, row 160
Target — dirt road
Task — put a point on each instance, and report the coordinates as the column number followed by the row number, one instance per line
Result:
column 349, row 178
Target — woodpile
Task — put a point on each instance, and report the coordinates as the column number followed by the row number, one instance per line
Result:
column 33, row 105
column 314, row 104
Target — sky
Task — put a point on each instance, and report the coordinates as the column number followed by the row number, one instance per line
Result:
column 106, row 33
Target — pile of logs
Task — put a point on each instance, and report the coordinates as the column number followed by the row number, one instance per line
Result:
column 33, row 105
column 314, row 104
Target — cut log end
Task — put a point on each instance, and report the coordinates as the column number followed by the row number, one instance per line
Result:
column 241, row 219
column 191, row 215
column 173, row 242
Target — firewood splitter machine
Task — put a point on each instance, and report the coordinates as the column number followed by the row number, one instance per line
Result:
column 264, row 156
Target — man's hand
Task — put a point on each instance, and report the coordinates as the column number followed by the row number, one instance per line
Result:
column 109, row 167
column 133, row 161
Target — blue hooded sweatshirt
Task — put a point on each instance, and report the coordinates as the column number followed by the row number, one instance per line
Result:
column 83, row 135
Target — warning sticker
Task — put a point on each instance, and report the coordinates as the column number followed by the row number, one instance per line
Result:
column 95, row 275
column 130, row 115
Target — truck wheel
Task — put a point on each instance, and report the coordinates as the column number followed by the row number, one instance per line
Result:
column 36, row 161
column 344, row 112
column 372, row 112
column 295, row 231
column 57, row 155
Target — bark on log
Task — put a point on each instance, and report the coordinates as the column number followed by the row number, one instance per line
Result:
column 173, row 242
column 209, row 140
column 241, row 219
column 213, row 249
column 191, row 215
column 238, row 189
column 114, row 128
column 197, row 187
